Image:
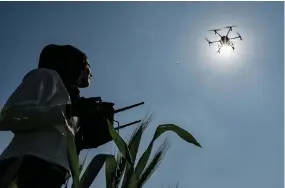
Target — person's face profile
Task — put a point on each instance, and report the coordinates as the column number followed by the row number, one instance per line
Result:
column 85, row 78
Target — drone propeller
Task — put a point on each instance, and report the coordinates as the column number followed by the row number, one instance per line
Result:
column 231, row 26
column 208, row 41
column 214, row 30
column 239, row 36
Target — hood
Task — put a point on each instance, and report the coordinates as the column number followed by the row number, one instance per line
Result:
column 66, row 60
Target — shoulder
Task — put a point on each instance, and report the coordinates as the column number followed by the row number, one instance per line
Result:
column 42, row 75
column 45, row 81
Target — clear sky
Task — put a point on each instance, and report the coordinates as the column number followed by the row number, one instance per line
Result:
column 232, row 103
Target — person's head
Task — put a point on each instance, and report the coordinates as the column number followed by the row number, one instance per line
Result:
column 85, row 76
column 69, row 62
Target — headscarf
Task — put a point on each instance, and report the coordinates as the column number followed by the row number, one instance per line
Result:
column 67, row 60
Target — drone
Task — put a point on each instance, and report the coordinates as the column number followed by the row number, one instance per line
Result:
column 225, row 40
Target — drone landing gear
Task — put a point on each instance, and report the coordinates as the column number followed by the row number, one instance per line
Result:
column 231, row 44
column 219, row 50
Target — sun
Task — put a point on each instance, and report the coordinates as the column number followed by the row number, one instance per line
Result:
column 224, row 62
column 226, row 52
column 225, row 59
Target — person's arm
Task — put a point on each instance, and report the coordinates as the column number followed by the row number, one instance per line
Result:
column 38, row 103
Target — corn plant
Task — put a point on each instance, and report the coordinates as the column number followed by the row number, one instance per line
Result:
column 121, row 171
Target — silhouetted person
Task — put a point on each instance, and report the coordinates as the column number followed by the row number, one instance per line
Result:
column 39, row 112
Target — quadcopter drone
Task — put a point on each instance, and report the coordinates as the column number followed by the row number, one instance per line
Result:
column 225, row 40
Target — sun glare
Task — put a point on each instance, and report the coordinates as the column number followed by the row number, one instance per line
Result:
column 226, row 55
column 225, row 61
column 226, row 51
column 228, row 60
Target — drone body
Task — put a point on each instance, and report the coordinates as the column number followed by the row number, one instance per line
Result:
column 224, row 40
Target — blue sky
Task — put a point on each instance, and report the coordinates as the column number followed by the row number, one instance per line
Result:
column 232, row 103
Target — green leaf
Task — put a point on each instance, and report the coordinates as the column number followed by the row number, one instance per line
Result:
column 82, row 163
column 72, row 158
column 120, row 169
column 133, row 181
column 135, row 143
column 133, row 146
column 110, row 171
column 120, row 143
column 153, row 164
column 93, row 169
column 159, row 131
column 182, row 133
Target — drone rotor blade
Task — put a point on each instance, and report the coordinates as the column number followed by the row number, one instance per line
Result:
column 239, row 36
column 208, row 41
column 231, row 26
column 214, row 30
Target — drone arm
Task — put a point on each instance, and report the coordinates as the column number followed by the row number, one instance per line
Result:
column 214, row 41
column 218, row 34
column 210, row 42
column 234, row 38
column 228, row 31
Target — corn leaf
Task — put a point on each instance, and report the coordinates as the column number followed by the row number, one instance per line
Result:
column 72, row 158
column 120, row 143
column 159, row 131
column 133, row 146
column 153, row 164
column 120, row 169
column 133, row 182
column 82, row 162
column 93, row 169
column 110, row 171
